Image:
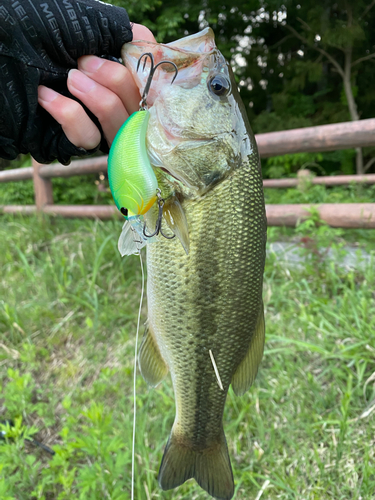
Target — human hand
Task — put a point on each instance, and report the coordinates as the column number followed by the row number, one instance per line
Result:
column 105, row 87
column 40, row 44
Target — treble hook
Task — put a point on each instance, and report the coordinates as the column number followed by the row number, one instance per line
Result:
column 143, row 106
column 143, row 103
column 159, row 220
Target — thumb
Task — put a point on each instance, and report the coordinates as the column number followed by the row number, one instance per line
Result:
column 142, row 33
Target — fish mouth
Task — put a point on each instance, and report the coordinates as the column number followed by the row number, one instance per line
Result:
column 189, row 54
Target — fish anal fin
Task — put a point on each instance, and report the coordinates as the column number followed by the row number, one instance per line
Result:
column 247, row 370
column 211, row 467
column 176, row 219
column 151, row 363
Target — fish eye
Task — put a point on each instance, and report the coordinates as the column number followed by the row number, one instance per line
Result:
column 219, row 85
column 124, row 211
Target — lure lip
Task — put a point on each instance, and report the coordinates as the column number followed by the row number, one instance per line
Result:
column 142, row 211
column 147, row 207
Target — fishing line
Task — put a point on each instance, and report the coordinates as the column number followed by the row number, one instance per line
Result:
column 135, row 369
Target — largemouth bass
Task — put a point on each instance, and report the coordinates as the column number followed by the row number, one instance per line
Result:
column 205, row 312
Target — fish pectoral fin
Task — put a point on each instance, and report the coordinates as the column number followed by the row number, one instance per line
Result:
column 129, row 242
column 175, row 217
column 151, row 363
column 211, row 467
column 247, row 370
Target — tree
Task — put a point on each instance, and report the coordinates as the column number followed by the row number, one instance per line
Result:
column 296, row 63
column 337, row 33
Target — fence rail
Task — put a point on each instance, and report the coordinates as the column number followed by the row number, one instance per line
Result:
column 16, row 174
column 310, row 139
column 333, row 180
column 103, row 212
column 99, row 164
column 345, row 215
column 345, row 135
column 76, row 167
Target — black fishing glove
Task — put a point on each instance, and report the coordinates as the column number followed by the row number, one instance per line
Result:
column 40, row 41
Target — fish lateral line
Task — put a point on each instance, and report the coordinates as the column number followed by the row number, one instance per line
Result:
column 219, row 382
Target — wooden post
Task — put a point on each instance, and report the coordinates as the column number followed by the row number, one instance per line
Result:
column 304, row 179
column 42, row 188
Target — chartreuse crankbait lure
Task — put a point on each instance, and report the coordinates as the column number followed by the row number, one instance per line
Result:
column 132, row 181
column 131, row 178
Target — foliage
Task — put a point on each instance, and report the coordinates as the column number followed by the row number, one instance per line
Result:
column 17, row 193
column 19, row 162
column 318, row 163
column 278, row 52
column 284, row 166
column 68, row 311
column 80, row 190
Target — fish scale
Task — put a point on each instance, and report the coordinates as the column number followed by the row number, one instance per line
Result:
column 211, row 302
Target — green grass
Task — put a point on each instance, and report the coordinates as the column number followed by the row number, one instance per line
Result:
column 68, row 308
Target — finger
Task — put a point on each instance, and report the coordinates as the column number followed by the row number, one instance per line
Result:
column 77, row 126
column 142, row 33
column 113, row 76
column 105, row 104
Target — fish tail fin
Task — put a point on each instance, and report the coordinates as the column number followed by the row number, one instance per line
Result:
column 211, row 468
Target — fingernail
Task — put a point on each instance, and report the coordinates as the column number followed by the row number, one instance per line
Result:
column 90, row 63
column 46, row 94
column 80, row 81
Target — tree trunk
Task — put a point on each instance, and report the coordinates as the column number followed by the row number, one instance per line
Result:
column 350, row 97
column 359, row 161
column 352, row 106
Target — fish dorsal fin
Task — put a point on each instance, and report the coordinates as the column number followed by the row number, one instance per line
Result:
column 129, row 242
column 176, row 219
column 151, row 363
column 247, row 370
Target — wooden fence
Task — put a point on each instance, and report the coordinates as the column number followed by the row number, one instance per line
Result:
column 310, row 139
